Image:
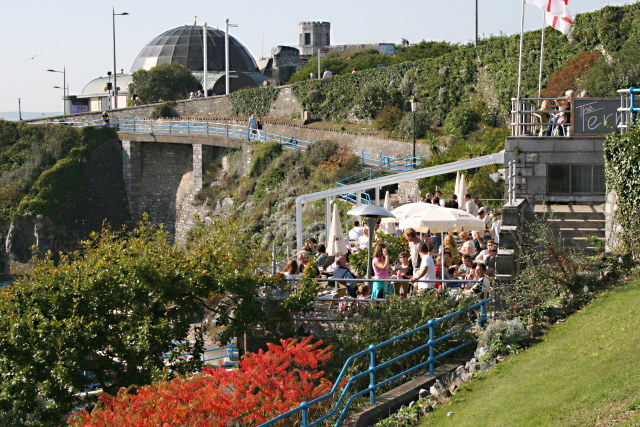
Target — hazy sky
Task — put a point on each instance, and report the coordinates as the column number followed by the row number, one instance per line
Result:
column 36, row 36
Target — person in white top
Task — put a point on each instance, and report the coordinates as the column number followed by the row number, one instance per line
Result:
column 356, row 231
column 363, row 241
column 484, row 254
column 467, row 248
column 427, row 269
column 495, row 228
column 470, row 205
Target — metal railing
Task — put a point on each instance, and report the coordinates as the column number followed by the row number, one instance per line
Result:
column 374, row 367
column 628, row 106
column 527, row 119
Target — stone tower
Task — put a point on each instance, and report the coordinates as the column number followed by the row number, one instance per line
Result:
column 313, row 36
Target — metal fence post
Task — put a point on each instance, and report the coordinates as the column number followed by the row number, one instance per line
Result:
column 372, row 374
column 483, row 315
column 430, row 342
column 273, row 256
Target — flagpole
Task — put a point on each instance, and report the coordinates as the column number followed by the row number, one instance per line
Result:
column 544, row 25
column 520, row 56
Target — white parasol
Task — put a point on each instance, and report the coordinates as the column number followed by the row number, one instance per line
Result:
column 441, row 220
column 388, row 227
column 462, row 190
column 336, row 243
column 407, row 210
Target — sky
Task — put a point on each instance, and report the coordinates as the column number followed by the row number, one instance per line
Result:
column 77, row 35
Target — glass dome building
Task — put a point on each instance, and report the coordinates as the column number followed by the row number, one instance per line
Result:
column 184, row 45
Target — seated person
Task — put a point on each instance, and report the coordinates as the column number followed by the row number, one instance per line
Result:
column 478, row 289
column 482, row 256
column 363, row 241
column 466, row 267
column 323, row 259
column 342, row 272
column 467, row 248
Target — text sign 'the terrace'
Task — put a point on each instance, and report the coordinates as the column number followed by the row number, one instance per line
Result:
column 596, row 115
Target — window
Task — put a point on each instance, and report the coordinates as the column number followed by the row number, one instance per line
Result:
column 307, row 38
column 569, row 179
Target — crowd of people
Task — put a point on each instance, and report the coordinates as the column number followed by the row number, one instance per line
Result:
column 460, row 261
column 556, row 113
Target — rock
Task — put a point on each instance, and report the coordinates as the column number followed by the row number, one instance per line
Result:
column 437, row 390
column 457, row 382
column 449, row 414
column 427, row 409
column 460, row 370
column 467, row 376
column 484, row 366
column 473, row 365
column 412, row 403
column 423, row 393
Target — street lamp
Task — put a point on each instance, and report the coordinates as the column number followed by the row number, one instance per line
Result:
column 226, row 53
column 64, row 85
column 115, row 72
column 370, row 213
column 414, row 108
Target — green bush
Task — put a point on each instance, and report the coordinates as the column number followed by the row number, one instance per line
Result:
column 388, row 118
column 253, row 101
column 320, row 151
column 422, row 121
column 461, row 121
column 503, row 336
column 164, row 110
column 263, row 155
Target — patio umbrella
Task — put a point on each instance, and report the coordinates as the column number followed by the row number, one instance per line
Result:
column 407, row 210
column 441, row 220
column 336, row 243
column 462, row 190
column 388, row 227
column 457, row 186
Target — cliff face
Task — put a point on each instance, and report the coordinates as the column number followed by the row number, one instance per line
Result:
column 100, row 200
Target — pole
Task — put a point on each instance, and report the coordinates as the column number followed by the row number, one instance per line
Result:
column 520, row 56
column 414, row 136
column 64, row 91
column 204, row 54
column 544, row 24
column 318, row 63
column 476, row 23
column 371, row 224
column 19, row 110
column 115, row 72
column 226, row 55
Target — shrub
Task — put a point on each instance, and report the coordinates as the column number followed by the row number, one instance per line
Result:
column 461, row 120
column 257, row 101
column 164, row 110
column 570, row 74
column 422, row 124
column 388, row 118
column 503, row 336
column 263, row 155
column 264, row 385
column 321, row 151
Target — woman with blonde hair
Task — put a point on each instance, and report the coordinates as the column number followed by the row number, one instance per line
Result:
column 450, row 243
column 467, row 248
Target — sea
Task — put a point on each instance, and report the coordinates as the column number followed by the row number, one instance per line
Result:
column 14, row 115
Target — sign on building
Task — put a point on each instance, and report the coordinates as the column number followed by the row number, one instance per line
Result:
column 387, row 48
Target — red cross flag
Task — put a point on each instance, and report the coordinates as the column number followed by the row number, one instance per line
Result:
column 552, row 7
column 560, row 23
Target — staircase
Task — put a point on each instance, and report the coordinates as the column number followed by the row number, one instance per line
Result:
column 574, row 223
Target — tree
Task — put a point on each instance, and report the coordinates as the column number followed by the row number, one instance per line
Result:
column 164, row 82
column 108, row 312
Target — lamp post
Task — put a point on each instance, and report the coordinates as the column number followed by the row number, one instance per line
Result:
column 414, row 108
column 115, row 72
column 226, row 53
column 64, row 85
column 370, row 213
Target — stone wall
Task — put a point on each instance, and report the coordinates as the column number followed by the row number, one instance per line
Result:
column 533, row 156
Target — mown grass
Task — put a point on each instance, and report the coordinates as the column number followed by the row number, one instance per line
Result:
column 586, row 371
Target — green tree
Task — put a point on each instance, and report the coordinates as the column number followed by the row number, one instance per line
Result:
column 108, row 312
column 164, row 82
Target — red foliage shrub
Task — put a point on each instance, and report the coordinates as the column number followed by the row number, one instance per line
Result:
column 266, row 384
column 569, row 75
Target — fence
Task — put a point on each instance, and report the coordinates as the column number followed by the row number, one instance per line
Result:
column 374, row 382
column 527, row 119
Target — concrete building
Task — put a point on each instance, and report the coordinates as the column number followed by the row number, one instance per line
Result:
column 313, row 36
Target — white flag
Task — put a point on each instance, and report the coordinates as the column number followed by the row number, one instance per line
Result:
column 552, row 7
column 560, row 23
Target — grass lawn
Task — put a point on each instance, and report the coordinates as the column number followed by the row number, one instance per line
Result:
column 585, row 371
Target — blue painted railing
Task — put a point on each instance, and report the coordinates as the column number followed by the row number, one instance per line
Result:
column 374, row 383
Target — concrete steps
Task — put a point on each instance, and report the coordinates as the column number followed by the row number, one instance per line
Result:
column 575, row 224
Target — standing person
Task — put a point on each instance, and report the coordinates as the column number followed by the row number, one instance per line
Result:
column 253, row 126
column 105, row 118
column 452, row 202
column 192, row 95
column 260, row 125
column 327, row 73
column 441, row 202
column 470, row 205
column 381, row 271
column 404, row 271
column 312, row 76
column 411, row 236
column 427, row 267
column 356, row 231
column 495, row 228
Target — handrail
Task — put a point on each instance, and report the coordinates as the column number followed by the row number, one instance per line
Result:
column 373, row 368
column 629, row 106
column 524, row 111
column 233, row 131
